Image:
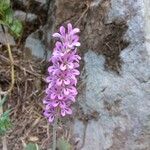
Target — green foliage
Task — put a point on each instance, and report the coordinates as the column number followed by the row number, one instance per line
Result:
column 31, row 146
column 4, row 5
column 5, row 122
column 3, row 101
column 62, row 144
column 7, row 19
column 4, row 118
column 16, row 28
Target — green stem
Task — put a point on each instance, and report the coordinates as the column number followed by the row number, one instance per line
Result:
column 4, row 141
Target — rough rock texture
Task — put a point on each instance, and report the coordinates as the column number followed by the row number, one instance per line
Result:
column 34, row 43
column 115, row 74
column 123, row 100
column 9, row 38
column 147, row 23
column 114, row 87
column 22, row 16
column 113, row 106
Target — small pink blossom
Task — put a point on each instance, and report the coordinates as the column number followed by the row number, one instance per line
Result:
column 62, row 79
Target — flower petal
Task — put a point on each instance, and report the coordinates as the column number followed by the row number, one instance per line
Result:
column 66, row 91
column 55, row 103
column 62, row 104
column 47, row 90
column 48, row 79
column 59, row 46
column 76, row 72
column 76, row 65
column 60, row 96
column 53, row 96
column 63, row 113
column 47, row 107
column 67, row 81
column 70, row 65
column 68, row 111
column 77, row 44
column 56, row 35
column 62, row 30
column 73, row 90
column 46, row 114
column 75, row 30
column 59, row 82
column 45, row 101
column 63, row 67
column 69, row 27
column 51, row 118
column 49, row 85
column 74, row 80
column 73, row 99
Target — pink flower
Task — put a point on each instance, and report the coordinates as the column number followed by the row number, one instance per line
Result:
column 69, row 37
column 62, row 80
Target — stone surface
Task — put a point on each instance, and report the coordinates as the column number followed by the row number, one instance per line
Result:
column 115, row 72
column 35, row 44
column 42, row 2
column 123, row 101
column 10, row 38
column 147, row 23
column 29, row 17
column 37, row 3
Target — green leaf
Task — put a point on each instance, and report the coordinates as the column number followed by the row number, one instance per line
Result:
column 2, row 22
column 62, row 144
column 31, row 146
column 16, row 28
column 6, row 113
column 8, row 19
column 5, row 123
column 4, row 4
column 3, row 100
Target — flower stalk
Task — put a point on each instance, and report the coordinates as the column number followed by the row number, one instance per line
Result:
column 55, row 132
column 62, row 80
column 61, row 91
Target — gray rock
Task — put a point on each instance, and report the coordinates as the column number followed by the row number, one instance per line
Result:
column 10, row 38
column 123, row 101
column 26, row 2
column 42, row 2
column 78, row 127
column 23, row 16
column 35, row 44
column 23, row 2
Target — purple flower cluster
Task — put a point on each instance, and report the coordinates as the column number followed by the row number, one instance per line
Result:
column 61, row 90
